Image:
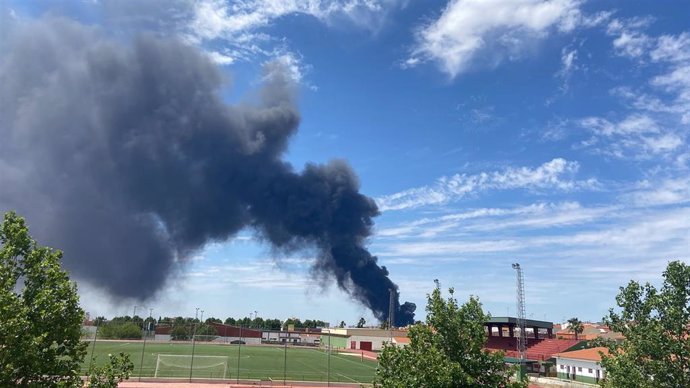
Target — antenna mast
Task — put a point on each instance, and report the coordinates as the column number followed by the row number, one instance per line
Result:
column 522, row 338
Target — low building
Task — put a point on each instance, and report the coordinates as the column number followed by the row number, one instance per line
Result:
column 365, row 338
column 581, row 365
column 280, row 337
column 233, row 335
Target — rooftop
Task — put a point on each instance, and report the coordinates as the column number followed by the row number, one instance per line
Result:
column 593, row 354
column 528, row 322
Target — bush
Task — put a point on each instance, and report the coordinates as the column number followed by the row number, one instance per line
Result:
column 180, row 333
column 117, row 330
column 117, row 369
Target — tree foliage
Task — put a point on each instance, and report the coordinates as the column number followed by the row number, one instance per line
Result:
column 655, row 323
column 180, row 332
column 361, row 322
column 206, row 330
column 40, row 317
column 575, row 326
column 120, row 330
column 446, row 351
column 117, row 369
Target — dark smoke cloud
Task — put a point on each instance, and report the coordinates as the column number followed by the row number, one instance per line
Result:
column 124, row 156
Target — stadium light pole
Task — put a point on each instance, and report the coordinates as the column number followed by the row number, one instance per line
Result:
column 239, row 353
column 285, row 364
column 328, row 379
column 202, row 316
column 191, row 364
column 93, row 346
column 135, row 312
column 143, row 348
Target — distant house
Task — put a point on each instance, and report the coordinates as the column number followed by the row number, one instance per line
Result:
column 590, row 331
column 581, row 365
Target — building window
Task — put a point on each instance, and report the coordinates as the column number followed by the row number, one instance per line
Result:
column 590, row 370
column 579, row 369
column 562, row 367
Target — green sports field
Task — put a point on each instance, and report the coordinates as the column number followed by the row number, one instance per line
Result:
column 255, row 362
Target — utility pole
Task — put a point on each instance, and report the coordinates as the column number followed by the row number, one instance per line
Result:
column 522, row 338
column 135, row 312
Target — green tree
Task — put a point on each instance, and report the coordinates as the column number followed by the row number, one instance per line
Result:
column 118, row 368
column 206, row 330
column 120, row 330
column 342, row 324
column 361, row 322
column 180, row 332
column 655, row 352
column 575, row 326
column 40, row 317
column 446, row 351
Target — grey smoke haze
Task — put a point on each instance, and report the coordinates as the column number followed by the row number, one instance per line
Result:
column 124, row 155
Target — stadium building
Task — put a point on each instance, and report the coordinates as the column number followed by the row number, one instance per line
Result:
column 503, row 332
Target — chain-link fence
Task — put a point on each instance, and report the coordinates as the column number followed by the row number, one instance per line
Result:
column 193, row 351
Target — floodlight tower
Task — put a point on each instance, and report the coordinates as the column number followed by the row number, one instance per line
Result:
column 391, row 311
column 522, row 338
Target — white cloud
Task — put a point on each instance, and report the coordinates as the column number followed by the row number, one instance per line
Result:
column 221, row 59
column 239, row 27
column 630, row 40
column 637, row 136
column 491, row 31
column 218, row 19
column 663, row 192
column 672, row 48
column 555, row 174
column 531, row 217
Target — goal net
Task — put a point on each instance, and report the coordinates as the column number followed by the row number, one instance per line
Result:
column 179, row 365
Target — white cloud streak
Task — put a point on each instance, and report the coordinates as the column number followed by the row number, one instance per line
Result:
column 555, row 174
column 637, row 136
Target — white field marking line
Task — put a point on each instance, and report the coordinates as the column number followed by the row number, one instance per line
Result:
column 317, row 371
column 355, row 362
column 347, row 377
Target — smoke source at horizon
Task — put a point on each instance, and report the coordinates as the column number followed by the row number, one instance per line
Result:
column 123, row 155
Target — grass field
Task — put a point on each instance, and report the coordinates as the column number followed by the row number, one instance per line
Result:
column 255, row 362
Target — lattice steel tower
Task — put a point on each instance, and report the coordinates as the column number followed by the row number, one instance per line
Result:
column 522, row 338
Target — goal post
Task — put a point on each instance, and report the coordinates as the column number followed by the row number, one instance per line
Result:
column 179, row 365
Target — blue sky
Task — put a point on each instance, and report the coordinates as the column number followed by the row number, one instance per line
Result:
column 552, row 133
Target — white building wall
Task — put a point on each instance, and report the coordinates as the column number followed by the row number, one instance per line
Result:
column 376, row 342
column 582, row 367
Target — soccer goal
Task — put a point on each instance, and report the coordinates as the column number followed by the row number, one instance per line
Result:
column 179, row 365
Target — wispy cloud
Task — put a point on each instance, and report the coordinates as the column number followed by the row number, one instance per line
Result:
column 659, row 107
column 469, row 31
column 661, row 192
column 556, row 174
column 637, row 136
column 242, row 23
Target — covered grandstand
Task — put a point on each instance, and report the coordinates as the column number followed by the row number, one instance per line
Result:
column 502, row 334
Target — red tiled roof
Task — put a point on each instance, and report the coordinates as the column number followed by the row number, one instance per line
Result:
column 593, row 354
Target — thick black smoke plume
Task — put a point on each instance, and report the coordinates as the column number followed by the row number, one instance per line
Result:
column 124, row 156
